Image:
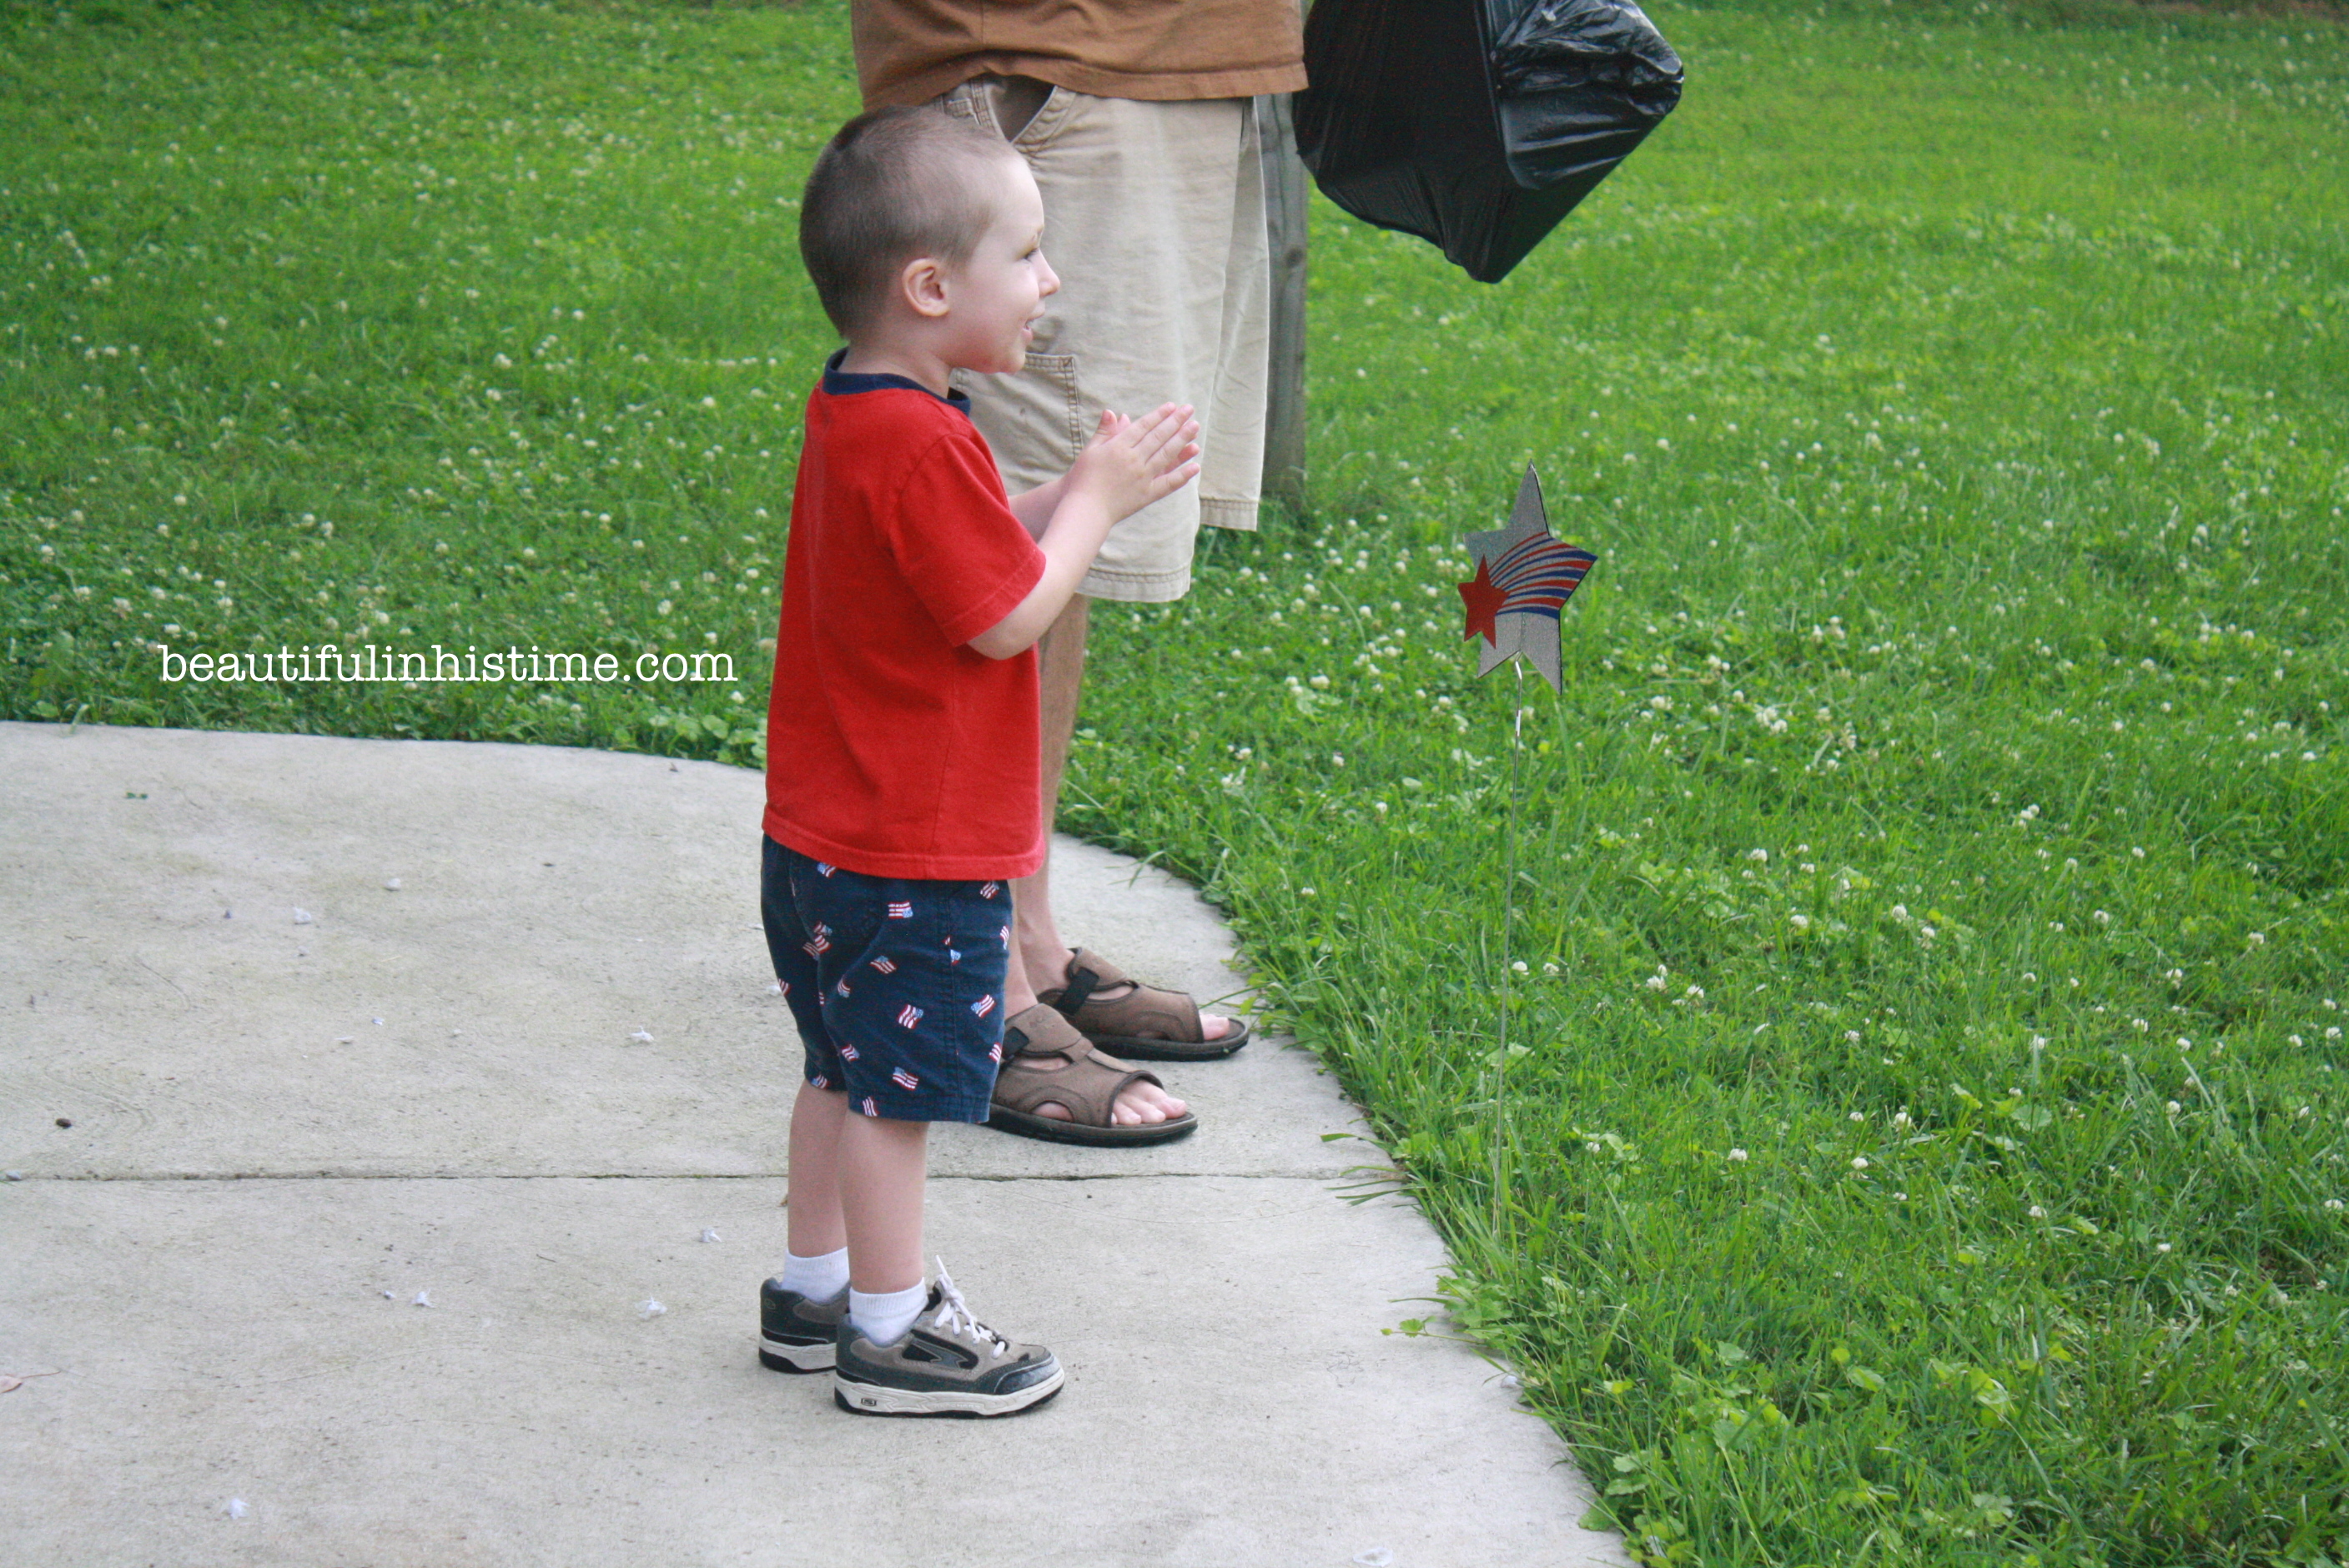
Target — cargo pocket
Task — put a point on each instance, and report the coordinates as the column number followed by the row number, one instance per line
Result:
column 1056, row 383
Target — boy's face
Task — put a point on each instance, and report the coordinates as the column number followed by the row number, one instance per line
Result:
column 996, row 295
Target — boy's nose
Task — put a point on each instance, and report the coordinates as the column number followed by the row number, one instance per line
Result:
column 1051, row 279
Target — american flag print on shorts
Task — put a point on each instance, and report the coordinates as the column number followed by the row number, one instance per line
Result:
column 868, row 1108
column 909, row 1016
column 847, row 1053
column 841, row 986
column 885, row 966
column 902, row 910
column 819, row 1081
column 819, row 947
column 903, row 1078
column 984, row 1006
column 824, row 871
column 988, row 889
column 994, row 1053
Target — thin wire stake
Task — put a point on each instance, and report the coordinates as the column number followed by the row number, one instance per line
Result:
column 1508, row 922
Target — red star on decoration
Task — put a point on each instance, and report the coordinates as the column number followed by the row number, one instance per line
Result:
column 1484, row 598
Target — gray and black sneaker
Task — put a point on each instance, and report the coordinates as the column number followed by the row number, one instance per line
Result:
column 947, row 1364
column 796, row 1334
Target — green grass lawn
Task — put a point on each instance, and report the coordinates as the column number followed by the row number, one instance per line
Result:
column 1925, row 1125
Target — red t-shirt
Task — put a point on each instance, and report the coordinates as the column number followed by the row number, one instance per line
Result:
column 892, row 747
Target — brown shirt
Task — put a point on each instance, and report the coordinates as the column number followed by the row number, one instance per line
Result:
column 910, row 51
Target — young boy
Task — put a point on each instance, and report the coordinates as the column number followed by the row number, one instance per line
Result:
column 903, row 772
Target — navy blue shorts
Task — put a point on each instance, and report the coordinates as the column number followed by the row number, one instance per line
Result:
column 896, row 982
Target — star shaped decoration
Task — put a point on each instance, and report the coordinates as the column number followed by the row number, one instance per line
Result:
column 1523, row 578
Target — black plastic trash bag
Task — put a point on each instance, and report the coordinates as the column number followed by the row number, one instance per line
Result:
column 1477, row 124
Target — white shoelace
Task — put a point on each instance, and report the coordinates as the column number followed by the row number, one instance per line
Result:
column 954, row 1313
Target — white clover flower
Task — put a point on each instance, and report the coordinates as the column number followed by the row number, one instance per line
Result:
column 1739, row 1155
column 1759, row 857
column 2037, row 1213
column 1859, row 1161
column 1801, row 922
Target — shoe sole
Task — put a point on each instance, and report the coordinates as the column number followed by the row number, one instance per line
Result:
column 1052, row 1129
column 780, row 1355
column 874, row 1399
column 1213, row 1050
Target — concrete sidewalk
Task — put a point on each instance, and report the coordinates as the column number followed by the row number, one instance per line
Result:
column 287, row 1130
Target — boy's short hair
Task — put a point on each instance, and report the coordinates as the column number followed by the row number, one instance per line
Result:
column 887, row 189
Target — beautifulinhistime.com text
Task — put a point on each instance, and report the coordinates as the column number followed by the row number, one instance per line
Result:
column 372, row 662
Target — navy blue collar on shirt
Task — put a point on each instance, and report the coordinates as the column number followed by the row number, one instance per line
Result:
column 839, row 382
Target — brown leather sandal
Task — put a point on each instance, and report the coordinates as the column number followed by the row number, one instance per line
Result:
column 1087, row 1083
column 1146, row 1023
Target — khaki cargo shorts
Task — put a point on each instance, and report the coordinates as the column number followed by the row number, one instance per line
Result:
column 1154, row 219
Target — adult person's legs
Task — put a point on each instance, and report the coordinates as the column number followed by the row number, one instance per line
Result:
column 1154, row 214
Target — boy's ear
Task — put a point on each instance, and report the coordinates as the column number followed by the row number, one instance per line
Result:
column 923, row 283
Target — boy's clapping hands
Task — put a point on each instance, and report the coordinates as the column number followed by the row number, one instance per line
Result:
column 1133, row 462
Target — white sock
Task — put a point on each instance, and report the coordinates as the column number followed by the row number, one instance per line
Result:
column 819, row 1278
column 883, row 1318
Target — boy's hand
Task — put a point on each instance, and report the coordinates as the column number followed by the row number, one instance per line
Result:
column 1129, row 464
column 1133, row 462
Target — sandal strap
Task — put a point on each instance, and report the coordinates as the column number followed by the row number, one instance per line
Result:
column 1088, row 972
column 1088, row 1086
column 1041, row 1031
column 1144, row 1013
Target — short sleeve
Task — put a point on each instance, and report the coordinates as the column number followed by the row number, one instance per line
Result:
column 951, row 531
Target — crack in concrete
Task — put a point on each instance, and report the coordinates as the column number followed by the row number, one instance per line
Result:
column 227, row 1176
